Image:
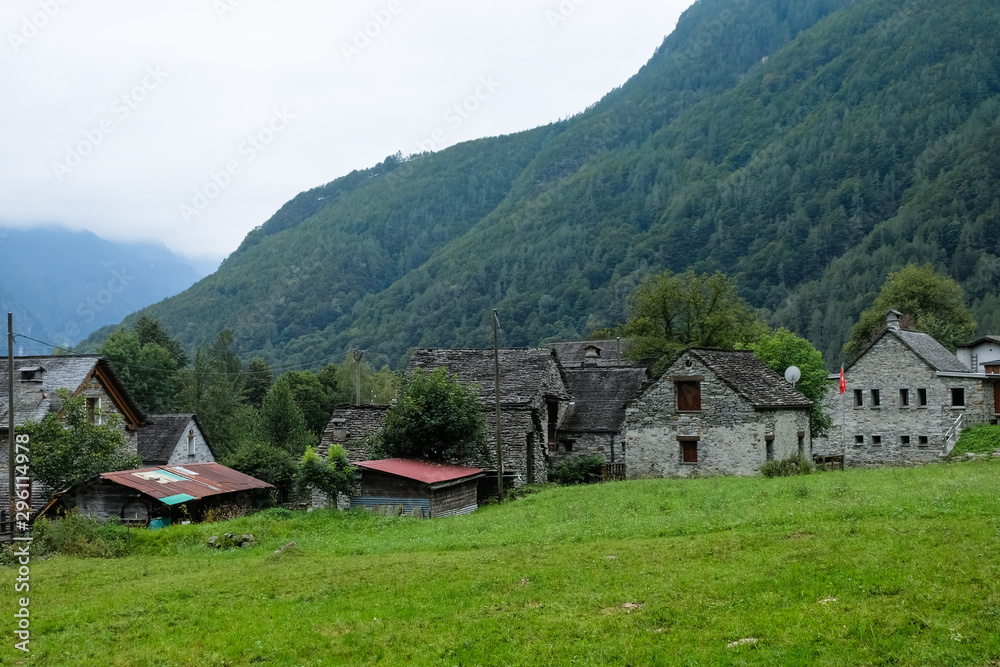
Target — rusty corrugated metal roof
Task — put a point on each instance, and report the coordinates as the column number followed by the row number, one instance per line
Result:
column 422, row 471
column 198, row 480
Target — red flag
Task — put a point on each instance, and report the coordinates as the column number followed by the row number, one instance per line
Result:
column 843, row 382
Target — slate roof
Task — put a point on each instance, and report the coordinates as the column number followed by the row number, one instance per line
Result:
column 160, row 434
column 523, row 370
column 598, row 397
column 422, row 471
column 984, row 339
column 34, row 399
column 924, row 346
column 931, row 351
column 574, row 353
column 749, row 377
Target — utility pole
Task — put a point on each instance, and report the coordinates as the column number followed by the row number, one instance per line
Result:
column 358, row 353
column 496, row 392
column 10, row 416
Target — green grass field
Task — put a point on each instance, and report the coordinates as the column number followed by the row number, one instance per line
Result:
column 883, row 567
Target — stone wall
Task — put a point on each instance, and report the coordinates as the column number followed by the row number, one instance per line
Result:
column 876, row 435
column 202, row 454
column 604, row 444
column 732, row 436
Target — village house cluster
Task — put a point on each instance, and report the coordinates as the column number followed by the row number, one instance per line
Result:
column 709, row 411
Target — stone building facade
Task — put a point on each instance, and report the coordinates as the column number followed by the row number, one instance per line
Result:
column 174, row 440
column 594, row 420
column 907, row 399
column 714, row 412
column 36, row 380
column 533, row 400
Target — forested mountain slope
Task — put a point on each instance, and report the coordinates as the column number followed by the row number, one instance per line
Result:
column 806, row 147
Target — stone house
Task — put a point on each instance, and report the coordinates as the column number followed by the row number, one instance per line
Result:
column 714, row 412
column 906, row 401
column 174, row 439
column 349, row 426
column 533, row 399
column 594, row 420
column 36, row 380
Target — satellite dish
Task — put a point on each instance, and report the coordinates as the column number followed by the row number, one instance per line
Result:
column 793, row 374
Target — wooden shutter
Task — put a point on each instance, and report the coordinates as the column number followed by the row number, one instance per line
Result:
column 690, row 451
column 688, row 396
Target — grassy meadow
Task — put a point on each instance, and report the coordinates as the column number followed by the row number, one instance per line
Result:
column 863, row 567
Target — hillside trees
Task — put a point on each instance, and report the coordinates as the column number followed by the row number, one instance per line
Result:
column 934, row 301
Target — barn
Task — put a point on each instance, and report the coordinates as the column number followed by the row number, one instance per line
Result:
column 423, row 489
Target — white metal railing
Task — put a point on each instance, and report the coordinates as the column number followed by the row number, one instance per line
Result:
column 951, row 437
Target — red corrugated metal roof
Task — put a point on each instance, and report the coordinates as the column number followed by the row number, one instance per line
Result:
column 422, row 471
column 198, row 480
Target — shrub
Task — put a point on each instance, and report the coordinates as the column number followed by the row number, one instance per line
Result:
column 578, row 470
column 83, row 537
column 797, row 464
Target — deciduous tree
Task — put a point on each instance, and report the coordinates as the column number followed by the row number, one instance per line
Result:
column 781, row 349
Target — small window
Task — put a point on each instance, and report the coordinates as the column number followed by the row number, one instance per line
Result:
column 922, row 440
column 922, row 397
column 568, row 444
column 802, row 443
column 688, row 396
column 689, row 451
column 859, row 440
column 94, row 411
column 904, row 440
column 769, row 440
column 876, row 398
column 958, row 397
column 904, row 398
column 876, row 440
column 191, row 442
column 859, row 398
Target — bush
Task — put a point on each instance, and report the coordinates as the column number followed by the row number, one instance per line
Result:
column 83, row 537
column 793, row 465
column 978, row 439
column 578, row 470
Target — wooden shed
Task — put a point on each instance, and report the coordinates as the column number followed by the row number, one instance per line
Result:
column 136, row 496
column 434, row 490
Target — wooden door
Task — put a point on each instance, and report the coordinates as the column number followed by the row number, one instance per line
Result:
column 996, row 399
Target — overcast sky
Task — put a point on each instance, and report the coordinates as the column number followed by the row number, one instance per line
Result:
column 189, row 122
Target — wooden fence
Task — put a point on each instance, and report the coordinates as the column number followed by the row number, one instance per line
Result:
column 612, row 472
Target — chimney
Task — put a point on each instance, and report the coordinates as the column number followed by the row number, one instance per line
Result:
column 591, row 356
column 892, row 320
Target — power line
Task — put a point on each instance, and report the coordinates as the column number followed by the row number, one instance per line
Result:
column 272, row 369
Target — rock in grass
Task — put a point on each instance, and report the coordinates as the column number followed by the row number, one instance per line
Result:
column 279, row 550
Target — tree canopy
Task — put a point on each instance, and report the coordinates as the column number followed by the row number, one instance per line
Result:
column 669, row 312
column 68, row 450
column 933, row 302
column 435, row 418
column 781, row 349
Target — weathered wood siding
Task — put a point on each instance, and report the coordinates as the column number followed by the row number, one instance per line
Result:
column 454, row 500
